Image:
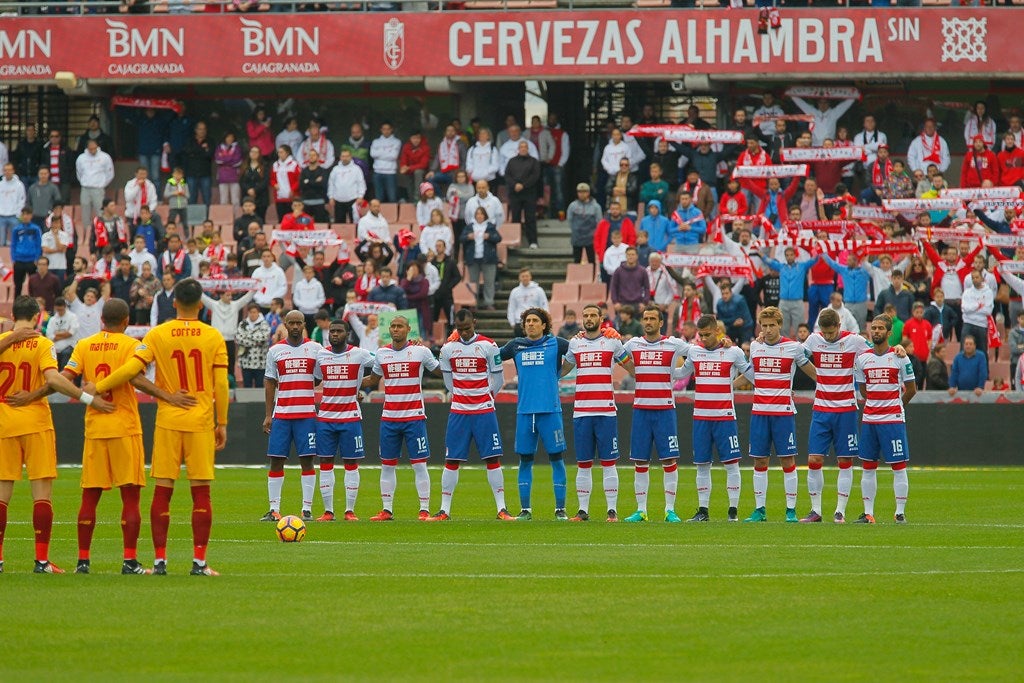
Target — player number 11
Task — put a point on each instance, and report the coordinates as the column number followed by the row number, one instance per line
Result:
column 197, row 361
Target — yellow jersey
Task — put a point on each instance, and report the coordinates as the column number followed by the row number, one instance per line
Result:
column 93, row 359
column 186, row 353
column 21, row 369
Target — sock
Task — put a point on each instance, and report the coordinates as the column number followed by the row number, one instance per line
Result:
column 308, row 488
column 558, row 480
column 3, row 527
column 868, row 486
column 790, row 482
column 449, row 479
column 202, row 520
column 275, row 482
column 87, row 520
column 611, row 484
column 760, row 486
column 815, row 483
column 525, row 480
column 584, row 483
column 160, row 519
column 419, row 470
column 900, row 486
column 641, row 482
column 327, row 485
column 671, row 484
column 703, row 484
column 131, row 520
column 388, row 482
column 42, row 522
column 844, row 484
column 496, row 479
column 732, row 483
column 351, row 485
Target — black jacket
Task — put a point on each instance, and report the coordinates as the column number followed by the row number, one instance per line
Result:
column 26, row 156
column 451, row 277
column 491, row 239
column 525, row 170
column 105, row 142
column 259, row 184
column 199, row 158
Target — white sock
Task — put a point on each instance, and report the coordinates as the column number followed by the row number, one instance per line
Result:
column 790, row 483
column 844, row 484
column 388, row 482
column 732, row 483
column 308, row 489
column 900, row 486
column 449, row 479
column 611, row 486
column 868, row 488
column 671, row 484
column 641, row 482
column 703, row 484
column 815, row 483
column 351, row 489
column 419, row 469
column 496, row 478
column 274, row 486
column 584, row 484
column 327, row 488
column 760, row 487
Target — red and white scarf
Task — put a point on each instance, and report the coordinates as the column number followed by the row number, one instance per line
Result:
column 216, row 253
column 936, row 148
column 100, row 228
column 880, row 172
column 179, row 260
column 448, row 154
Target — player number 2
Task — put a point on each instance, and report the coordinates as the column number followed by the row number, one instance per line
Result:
column 196, row 356
column 897, row 445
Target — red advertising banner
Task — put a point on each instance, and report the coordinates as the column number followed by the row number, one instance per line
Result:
column 478, row 45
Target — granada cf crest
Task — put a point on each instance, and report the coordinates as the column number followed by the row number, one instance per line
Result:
column 394, row 43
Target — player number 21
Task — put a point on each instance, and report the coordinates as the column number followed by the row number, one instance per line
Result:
column 196, row 356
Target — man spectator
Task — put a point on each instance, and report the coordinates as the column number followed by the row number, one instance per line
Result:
column 198, row 160
column 387, row 290
column 345, row 186
column 252, row 258
column 583, row 213
column 138, row 192
column 385, row 151
column 703, row 196
column 95, row 171
column 240, row 226
column 792, row 277
column 855, row 285
column 522, row 173
column 753, row 155
column 162, row 309
column 527, row 294
column 510, row 148
column 976, row 308
column 317, row 143
column 271, row 282
column 26, row 248
column 12, row 201
column 483, row 198
column 554, row 170
column 1015, row 341
column 482, row 161
column 59, row 158
column 308, row 295
column 734, row 313
column 870, row 139
column 27, row 156
column 122, row 279
column 1011, row 162
column 928, row 148
column 44, row 284
column 779, row 139
column 42, row 197
column 541, row 139
column 825, row 117
column 847, row 323
column 630, row 284
column 373, row 227
column 413, row 163
column 313, row 188
column 980, row 164
column 150, row 137
column 174, row 260
column 450, row 157
column 666, row 157
column 108, row 229
column 919, row 331
column 897, row 295
column 970, row 369
column 62, row 329
column 94, row 132
column 143, row 291
column 768, row 110
column 705, row 161
column 688, row 223
column 56, row 242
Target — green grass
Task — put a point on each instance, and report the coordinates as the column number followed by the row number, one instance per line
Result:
column 477, row 599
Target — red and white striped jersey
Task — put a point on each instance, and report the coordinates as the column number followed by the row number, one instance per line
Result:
column 471, row 364
column 292, row 367
column 654, row 362
column 713, row 371
column 883, row 378
column 341, row 373
column 402, row 373
column 594, row 360
column 772, row 367
column 834, row 392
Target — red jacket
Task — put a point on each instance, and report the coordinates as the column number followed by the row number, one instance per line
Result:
column 920, row 332
column 602, row 232
column 416, row 158
column 972, row 173
column 733, row 204
column 782, row 200
column 1011, row 166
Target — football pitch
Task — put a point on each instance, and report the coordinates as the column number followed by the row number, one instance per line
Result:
column 476, row 599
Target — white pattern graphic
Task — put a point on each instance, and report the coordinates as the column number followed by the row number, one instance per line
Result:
column 964, row 40
column 394, row 43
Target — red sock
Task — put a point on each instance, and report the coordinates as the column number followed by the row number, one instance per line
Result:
column 131, row 520
column 202, row 520
column 160, row 520
column 3, row 527
column 87, row 520
column 42, row 522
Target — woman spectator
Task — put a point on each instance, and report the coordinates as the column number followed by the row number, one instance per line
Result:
column 145, row 287
column 437, row 228
column 978, row 122
column 919, row 280
column 284, row 180
column 417, row 293
column 623, row 186
column 481, row 256
column 366, row 280
column 258, row 130
column 458, row 194
column 252, row 339
column 291, row 137
column 228, row 158
column 254, row 183
column 381, row 253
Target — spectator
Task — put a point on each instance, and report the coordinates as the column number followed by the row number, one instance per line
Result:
column 779, row 140
column 271, row 282
column 688, row 225
column 321, row 326
column 345, row 186
column 614, row 256
column 847, row 323
column 570, row 327
column 630, row 284
column 122, row 279
column 870, row 139
column 138, row 192
column 254, row 186
column 176, row 192
column 667, row 158
column 143, row 290
column 481, row 254
column 554, row 169
column 228, row 158
column 655, row 188
column 316, row 142
column 26, row 248
column 482, row 162
column 629, row 326
column 252, row 338
column 436, row 229
column 63, row 330
column 450, row 157
column 623, row 186
column 195, row 256
column 373, row 227
column 108, row 229
column 970, row 369
column 95, row 170
column 735, row 314
column 792, row 278
column 618, row 149
column 427, row 204
column 417, row 295
column 380, row 253
column 12, row 201
column 523, row 174
column 174, row 260
column 413, row 163
column 313, row 189
column 1015, row 340
column 896, row 335
column 855, row 286
column 42, row 197
column 614, row 221
column 936, row 370
column 368, row 333
column 198, row 162
column 308, row 295
column 258, row 131
column 527, row 294
column 584, row 213
column 510, row 148
column 449, row 277
column 978, row 124
column 976, row 306
column 27, row 156
column 897, row 295
column 753, row 155
column 733, row 201
column 929, row 147
column 150, row 136
column 252, row 258
column 825, row 117
column 918, row 280
column 57, row 157
column 366, row 280
column 980, row 164
column 388, row 291
column 44, row 284
column 224, row 313
column 484, row 199
column 57, row 241
column 284, row 180
column 385, row 152
column 768, row 110
column 919, row 331
column 655, row 226
column 290, row 136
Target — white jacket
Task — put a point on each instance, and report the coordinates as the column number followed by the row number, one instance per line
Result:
column 824, row 121
column 133, row 197
column 12, row 196
column 346, row 183
column 511, row 149
column 870, row 142
column 63, row 323
column 976, row 305
column 385, row 152
column 491, row 204
column 95, row 170
column 425, row 207
column 522, row 298
column 139, row 257
column 431, row 234
column 224, row 316
column 482, row 162
column 271, row 283
column 614, row 257
column 920, row 147
column 373, row 228
column 308, row 296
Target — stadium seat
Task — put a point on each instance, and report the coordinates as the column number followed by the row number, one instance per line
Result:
column 390, row 212
column 511, row 234
column 346, row 231
column 162, row 210
column 579, row 272
column 195, row 214
column 592, row 292
column 463, row 295
column 222, row 214
column 565, row 291
column 407, row 213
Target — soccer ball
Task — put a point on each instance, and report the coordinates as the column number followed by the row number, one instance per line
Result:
column 291, row 529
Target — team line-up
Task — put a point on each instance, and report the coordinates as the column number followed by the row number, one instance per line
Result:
column 191, row 387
